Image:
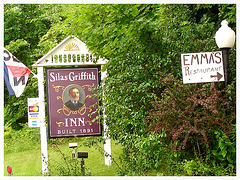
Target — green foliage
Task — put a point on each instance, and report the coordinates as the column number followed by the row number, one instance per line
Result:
column 141, row 48
column 24, row 24
column 15, row 109
column 21, row 140
column 21, row 46
column 142, row 44
column 197, row 167
column 228, row 12
column 224, row 151
column 144, row 155
column 25, row 21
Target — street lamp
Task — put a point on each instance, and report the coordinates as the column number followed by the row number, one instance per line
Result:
column 225, row 39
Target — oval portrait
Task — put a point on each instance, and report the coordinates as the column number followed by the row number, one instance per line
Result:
column 73, row 96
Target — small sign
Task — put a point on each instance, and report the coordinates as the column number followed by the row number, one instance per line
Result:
column 33, row 112
column 202, row 67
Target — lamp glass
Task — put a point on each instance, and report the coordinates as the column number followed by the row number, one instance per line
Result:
column 225, row 36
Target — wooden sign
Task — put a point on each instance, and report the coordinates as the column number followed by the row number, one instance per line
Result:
column 202, row 67
column 71, row 101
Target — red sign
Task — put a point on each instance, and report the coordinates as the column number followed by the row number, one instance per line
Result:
column 71, row 101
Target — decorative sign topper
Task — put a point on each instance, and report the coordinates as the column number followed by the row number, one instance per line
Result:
column 70, row 102
column 202, row 67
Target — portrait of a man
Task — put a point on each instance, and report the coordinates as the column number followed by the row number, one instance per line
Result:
column 74, row 98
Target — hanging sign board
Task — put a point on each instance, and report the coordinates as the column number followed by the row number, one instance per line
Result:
column 33, row 112
column 202, row 67
column 71, row 101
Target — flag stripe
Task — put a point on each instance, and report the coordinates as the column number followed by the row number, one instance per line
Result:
column 6, row 78
column 19, row 71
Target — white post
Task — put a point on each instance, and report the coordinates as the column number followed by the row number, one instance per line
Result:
column 43, row 129
column 107, row 144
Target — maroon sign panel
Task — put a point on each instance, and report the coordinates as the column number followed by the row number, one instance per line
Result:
column 70, row 102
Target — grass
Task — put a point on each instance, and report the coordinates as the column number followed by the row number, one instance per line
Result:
column 27, row 162
column 22, row 152
column 95, row 161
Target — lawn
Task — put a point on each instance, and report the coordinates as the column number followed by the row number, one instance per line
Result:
column 28, row 162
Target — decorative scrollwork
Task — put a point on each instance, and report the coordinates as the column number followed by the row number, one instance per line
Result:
column 60, row 123
column 57, row 88
column 89, row 87
column 91, row 122
column 88, row 96
column 59, row 97
column 89, row 109
column 68, row 111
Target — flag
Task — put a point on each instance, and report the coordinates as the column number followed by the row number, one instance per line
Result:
column 15, row 74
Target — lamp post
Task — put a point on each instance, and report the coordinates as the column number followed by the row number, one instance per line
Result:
column 225, row 39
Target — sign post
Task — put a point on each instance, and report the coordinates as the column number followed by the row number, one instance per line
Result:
column 70, row 52
column 202, row 67
column 43, row 129
column 107, row 144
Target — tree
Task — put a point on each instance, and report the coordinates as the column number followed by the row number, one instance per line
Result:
column 24, row 24
column 143, row 43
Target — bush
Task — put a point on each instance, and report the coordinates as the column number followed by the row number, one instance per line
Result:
column 196, row 167
column 144, row 154
column 200, row 122
column 224, row 151
column 191, row 110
